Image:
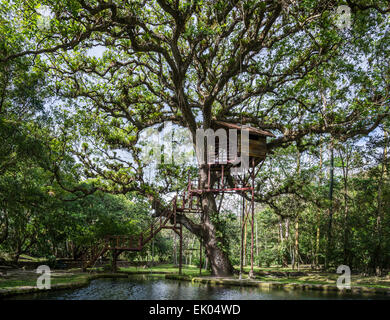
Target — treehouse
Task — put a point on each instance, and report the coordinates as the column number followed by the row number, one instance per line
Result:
column 230, row 151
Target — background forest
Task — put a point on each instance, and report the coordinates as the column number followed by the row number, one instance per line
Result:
column 322, row 195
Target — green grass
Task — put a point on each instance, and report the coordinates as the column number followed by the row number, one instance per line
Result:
column 275, row 269
column 292, row 280
column 32, row 281
column 167, row 268
column 330, row 279
column 25, row 257
column 22, row 258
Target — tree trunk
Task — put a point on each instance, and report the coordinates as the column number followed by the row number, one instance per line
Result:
column 378, row 254
column 153, row 251
column 174, row 249
column 318, row 231
column 257, row 243
column 331, row 185
column 245, row 245
column 242, row 238
column 209, row 230
column 218, row 257
column 219, row 260
column 115, row 255
column 15, row 257
column 317, row 240
column 4, row 231
column 296, row 247
column 283, row 242
column 345, row 168
column 286, row 236
column 280, row 240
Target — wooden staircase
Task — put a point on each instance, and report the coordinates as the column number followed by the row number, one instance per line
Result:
column 135, row 243
column 93, row 254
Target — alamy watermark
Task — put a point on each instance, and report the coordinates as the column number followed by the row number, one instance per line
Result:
column 343, row 17
column 344, row 281
column 44, row 281
column 45, row 15
column 227, row 153
column 174, row 145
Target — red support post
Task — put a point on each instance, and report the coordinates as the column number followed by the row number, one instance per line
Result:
column 222, row 177
column 174, row 212
column 200, row 257
column 209, row 178
column 242, row 239
column 181, row 249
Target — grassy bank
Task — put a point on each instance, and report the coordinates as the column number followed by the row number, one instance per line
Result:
column 167, row 269
column 29, row 280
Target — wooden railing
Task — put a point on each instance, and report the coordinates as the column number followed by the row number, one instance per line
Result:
column 131, row 243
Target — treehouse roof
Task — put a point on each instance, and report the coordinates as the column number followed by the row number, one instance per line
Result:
column 252, row 130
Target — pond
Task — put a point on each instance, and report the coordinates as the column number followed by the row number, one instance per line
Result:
column 142, row 287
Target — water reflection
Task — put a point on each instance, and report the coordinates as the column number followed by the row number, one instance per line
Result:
column 152, row 288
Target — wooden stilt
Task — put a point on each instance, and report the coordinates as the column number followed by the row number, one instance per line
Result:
column 253, row 215
column 181, row 249
column 222, row 176
column 114, row 260
column 209, row 178
column 200, row 257
column 242, row 239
